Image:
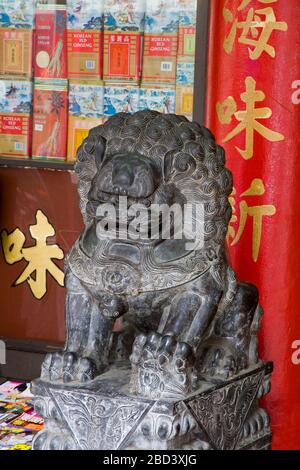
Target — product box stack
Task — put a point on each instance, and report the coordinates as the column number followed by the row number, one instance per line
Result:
column 123, row 40
column 122, row 60
column 19, row 423
column 15, row 116
column 85, row 69
column 16, row 36
column 186, row 58
column 67, row 65
column 160, row 56
column 121, row 98
column 85, row 30
column 50, row 118
column 85, row 112
column 50, row 109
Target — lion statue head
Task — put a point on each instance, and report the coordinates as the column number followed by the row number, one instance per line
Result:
column 154, row 158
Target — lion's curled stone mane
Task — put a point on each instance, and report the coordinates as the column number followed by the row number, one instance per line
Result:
column 184, row 317
column 184, row 151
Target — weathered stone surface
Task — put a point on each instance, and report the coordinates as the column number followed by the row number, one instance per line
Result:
column 103, row 414
column 188, row 327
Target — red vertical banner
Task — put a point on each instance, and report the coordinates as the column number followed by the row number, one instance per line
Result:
column 253, row 97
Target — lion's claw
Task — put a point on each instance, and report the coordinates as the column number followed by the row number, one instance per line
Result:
column 161, row 366
column 68, row 367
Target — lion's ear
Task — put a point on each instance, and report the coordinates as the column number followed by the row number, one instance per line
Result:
column 99, row 151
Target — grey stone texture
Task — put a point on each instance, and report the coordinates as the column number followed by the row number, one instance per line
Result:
column 182, row 370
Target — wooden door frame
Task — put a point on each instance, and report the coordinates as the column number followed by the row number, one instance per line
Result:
column 201, row 55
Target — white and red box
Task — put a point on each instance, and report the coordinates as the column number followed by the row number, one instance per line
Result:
column 50, row 119
column 50, row 51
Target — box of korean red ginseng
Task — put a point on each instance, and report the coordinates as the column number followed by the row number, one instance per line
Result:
column 184, row 100
column 16, row 52
column 50, row 48
column 160, row 42
column 157, row 97
column 85, row 37
column 120, row 98
column 17, row 14
column 124, row 15
column 123, row 40
column 85, row 111
column 15, row 117
column 187, row 11
column 78, row 129
column 50, row 119
column 122, row 57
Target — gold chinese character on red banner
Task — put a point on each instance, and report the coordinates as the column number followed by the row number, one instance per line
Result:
column 256, row 212
column 248, row 118
column 245, row 3
column 255, row 31
column 39, row 256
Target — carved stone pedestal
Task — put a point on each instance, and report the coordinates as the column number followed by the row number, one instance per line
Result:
column 102, row 414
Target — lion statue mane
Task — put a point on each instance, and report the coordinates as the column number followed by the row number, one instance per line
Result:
column 178, row 315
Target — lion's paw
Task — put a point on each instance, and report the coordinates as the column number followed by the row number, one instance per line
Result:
column 68, row 367
column 221, row 363
column 256, row 423
column 161, row 366
column 47, row 440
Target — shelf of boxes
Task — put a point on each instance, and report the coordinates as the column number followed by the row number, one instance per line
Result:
column 92, row 59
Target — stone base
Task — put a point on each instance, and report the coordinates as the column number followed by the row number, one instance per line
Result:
column 102, row 414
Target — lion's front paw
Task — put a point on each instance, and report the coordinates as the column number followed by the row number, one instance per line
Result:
column 68, row 367
column 53, row 440
column 161, row 367
column 221, row 363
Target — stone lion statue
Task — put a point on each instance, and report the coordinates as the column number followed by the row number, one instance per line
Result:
column 175, row 311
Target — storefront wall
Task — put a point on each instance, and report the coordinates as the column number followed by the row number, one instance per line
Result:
column 32, row 297
column 252, row 108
